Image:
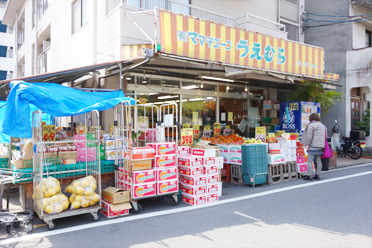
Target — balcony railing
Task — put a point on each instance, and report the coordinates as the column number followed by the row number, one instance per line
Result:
column 43, row 63
column 179, row 7
column 249, row 18
column 21, row 37
column 41, row 7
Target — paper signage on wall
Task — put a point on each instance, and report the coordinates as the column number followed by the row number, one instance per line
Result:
column 229, row 116
column 223, row 116
column 142, row 100
column 195, row 117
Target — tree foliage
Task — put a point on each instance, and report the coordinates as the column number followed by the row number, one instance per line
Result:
column 314, row 92
column 364, row 125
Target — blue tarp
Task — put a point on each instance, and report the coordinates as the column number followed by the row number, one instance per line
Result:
column 53, row 99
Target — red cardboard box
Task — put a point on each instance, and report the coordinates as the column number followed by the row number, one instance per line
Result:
column 190, row 161
column 194, row 200
column 184, row 150
column 164, row 161
column 164, row 148
column 110, row 210
column 210, row 169
column 165, row 174
column 209, row 160
column 212, row 188
column 212, row 179
column 197, row 180
column 193, row 190
column 145, row 176
column 191, row 171
column 142, row 153
column 143, row 190
column 167, row 187
column 300, row 152
column 212, row 197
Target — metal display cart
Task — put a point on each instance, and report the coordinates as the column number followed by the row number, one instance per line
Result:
column 65, row 173
column 158, row 122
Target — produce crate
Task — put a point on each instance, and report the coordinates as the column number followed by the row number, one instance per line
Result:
column 236, row 174
column 286, row 172
column 107, row 166
column 267, row 119
column 275, row 174
column 254, row 163
column 293, row 174
column 225, row 173
column 4, row 163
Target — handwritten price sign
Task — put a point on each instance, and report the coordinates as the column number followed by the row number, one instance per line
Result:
column 196, row 131
column 207, row 133
column 186, row 136
column 217, row 128
column 49, row 132
column 185, row 125
column 226, row 132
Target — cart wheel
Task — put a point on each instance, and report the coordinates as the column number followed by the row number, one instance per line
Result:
column 50, row 225
column 95, row 216
column 29, row 227
column 174, row 200
column 7, row 229
column 139, row 208
column 16, row 224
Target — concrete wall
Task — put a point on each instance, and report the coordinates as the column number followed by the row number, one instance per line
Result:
column 336, row 40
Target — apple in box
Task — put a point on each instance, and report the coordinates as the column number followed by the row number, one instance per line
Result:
column 165, row 174
column 203, row 152
column 145, row 176
column 212, row 197
column 212, row 178
column 164, row 148
column 198, row 180
column 115, row 210
column 164, row 161
column 143, row 190
column 191, row 171
column 212, row 188
column 209, row 160
column 210, row 169
column 190, row 161
column 167, row 187
column 193, row 199
column 193, row 190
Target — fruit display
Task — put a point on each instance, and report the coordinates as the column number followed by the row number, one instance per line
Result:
column 55, row 204
column 233, row 139
column 49, row 188
column 83, row 192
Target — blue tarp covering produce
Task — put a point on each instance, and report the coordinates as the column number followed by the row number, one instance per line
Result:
column 53, row 99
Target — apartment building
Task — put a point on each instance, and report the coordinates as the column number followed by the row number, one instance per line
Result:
column 221, row 56
column 6, row 46
column 348, row 49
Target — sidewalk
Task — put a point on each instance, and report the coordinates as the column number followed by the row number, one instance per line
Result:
column 347, row 161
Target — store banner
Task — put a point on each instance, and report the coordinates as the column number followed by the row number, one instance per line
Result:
column 133, row 51
column 205, row 40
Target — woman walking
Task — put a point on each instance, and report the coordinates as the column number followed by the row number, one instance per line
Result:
column 314, row 139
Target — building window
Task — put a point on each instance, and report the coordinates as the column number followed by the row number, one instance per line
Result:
column 2, row 28
column 368, row 38
column 79, row 14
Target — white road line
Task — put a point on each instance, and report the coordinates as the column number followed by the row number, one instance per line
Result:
column 173, row 211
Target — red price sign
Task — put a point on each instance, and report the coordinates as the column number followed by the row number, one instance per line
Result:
column 196, row 131
column 216, row 131
column 186, row 136
column 49, row 132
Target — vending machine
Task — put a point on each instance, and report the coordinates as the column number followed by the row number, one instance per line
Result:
column 297, row 116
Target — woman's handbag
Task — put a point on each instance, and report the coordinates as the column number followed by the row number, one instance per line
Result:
column 327, row 153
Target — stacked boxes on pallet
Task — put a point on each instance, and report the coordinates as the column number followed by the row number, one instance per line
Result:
column 235, row 160
column 301, row 153
column 254, row 166
column 199, row 178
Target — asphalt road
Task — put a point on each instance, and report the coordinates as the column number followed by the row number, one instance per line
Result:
column 332, row 212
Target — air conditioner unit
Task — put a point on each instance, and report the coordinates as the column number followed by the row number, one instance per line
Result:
column 46, row 44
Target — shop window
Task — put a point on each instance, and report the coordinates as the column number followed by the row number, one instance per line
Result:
column 368, row 38
column 234, row 112
column 79, row 14
column 198, row 110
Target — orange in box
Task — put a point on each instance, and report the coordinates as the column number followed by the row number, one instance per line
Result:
column 142, row 153
column 212, row 188
column 167, row 187
column 300, row 152
column 146, row 176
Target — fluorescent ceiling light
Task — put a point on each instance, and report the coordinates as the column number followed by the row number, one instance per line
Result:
column 210, row 98
column 220, row 79
column 167, row 97
column 170, row 102
column 184, row 100
column 190, row 87
column 196, row 99
column 153, row 93
column 159, row 103
column 128, row 78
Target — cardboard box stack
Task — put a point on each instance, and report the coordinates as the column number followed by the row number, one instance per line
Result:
column 115, row 202
column 199, row 176
column 283, row 151
column 154, row 171
column 301, row 154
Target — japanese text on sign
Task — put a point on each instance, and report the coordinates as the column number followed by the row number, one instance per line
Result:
column 261, row 133
column 207, row 133
column 186, row 136
column 196, row 131
column 216, row 128
column 185, row 125
column 49, row 132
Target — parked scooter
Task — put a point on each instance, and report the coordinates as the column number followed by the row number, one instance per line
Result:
column 344, row 145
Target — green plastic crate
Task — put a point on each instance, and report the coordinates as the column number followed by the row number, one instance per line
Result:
column 267, row 119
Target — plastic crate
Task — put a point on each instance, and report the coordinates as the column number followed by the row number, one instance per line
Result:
column 236, row 173
column 275, row 174
column 107, row 166
column 267, row 119
column 293, row 174
column 4, row 164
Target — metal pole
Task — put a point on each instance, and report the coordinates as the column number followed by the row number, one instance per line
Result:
column 120, row 74
column 10, row 157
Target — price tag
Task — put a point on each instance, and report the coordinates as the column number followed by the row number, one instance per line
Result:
column 207, row 128
column 228, row 127
column 49, row 132
column 261, row 133
column 111, row 129
column 217, row 129
column 95, row 128
column 143, row 122
column 142, row 100
column 185, row 125
column 226, row 132
column 271, row 137
column 186, row 136
column 287, row 136
column 261, row 137
column 207, row 133
column 196, row 131
column 293, row 106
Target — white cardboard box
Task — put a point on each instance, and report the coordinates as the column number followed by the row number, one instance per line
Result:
column 276, row 158
column 219, row 162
